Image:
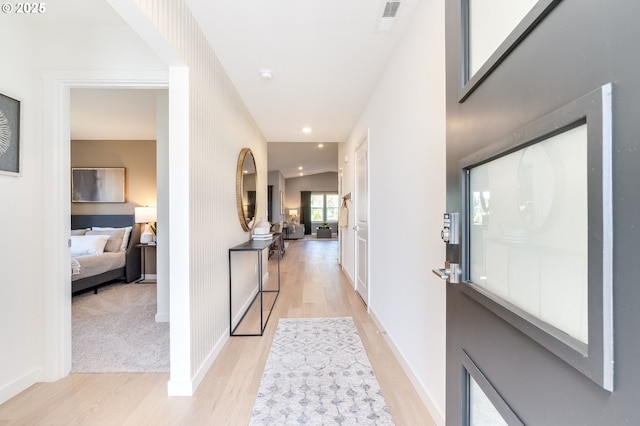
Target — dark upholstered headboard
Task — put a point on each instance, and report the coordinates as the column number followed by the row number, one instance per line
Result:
column 133, row 267
column 79, row 221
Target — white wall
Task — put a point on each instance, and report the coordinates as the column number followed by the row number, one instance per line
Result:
column 33, row 48
column 406, row 118
column 162, row 181
column 405, row 125
column 219, row 127
column 319, row 182
column 277, row 180
column 21, row 331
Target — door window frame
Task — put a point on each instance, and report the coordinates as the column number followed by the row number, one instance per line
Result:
column 468, row 80
column 471, row 371
column 595, row 359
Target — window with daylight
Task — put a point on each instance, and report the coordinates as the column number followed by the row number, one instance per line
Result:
column 324, row 207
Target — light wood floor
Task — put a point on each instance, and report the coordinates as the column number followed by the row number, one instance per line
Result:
column 313, row 285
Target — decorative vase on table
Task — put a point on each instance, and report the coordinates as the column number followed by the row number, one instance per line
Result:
column 262, row 231
column 147, row 235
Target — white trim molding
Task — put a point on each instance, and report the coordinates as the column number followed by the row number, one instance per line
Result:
column 56, row 184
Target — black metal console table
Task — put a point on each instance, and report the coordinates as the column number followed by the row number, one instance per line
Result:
column 257, row 246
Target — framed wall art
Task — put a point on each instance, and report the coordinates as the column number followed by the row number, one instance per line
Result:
column 9, row 136
column 97, row 185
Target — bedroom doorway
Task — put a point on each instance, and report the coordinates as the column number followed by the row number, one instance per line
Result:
column 135, row 144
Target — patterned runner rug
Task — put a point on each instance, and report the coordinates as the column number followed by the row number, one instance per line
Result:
column 318, row 373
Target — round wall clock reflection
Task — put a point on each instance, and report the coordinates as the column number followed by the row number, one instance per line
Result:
column 536, row 186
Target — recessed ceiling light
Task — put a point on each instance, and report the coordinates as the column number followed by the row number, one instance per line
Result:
column 266, row 74
column 306, row 130
column 300, row 168
column 301, row 174
column 320, row 145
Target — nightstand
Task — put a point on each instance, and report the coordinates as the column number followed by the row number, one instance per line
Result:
column 143, row 273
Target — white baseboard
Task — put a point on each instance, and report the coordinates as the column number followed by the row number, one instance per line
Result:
column 20, row 384
column 208, row 362
column 187, row 388
column 180, row 388
column 346, row 274
column 245, row 306
column 438, row 416
column 162, row 317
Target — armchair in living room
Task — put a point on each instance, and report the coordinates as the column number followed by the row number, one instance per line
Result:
column 293, row 231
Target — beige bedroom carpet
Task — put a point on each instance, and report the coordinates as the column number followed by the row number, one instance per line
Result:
column 115, row 331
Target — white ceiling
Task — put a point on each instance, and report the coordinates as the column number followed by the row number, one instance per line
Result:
column 326, row 57
column 113, row 114
column 75, row 12
column 294, row 159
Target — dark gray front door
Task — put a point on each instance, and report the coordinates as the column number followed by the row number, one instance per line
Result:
column 543, row 165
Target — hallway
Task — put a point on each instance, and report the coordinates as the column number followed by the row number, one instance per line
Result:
column 312, row 285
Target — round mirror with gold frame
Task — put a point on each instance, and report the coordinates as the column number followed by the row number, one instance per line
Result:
column 246, row 184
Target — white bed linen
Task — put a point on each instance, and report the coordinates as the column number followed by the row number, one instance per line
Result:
column 94, row 265
column 75, row 266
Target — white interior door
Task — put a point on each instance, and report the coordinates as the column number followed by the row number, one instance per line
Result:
column 340, row 231
column 362, row 220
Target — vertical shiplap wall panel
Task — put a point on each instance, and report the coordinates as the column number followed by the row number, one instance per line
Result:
column 220, row 126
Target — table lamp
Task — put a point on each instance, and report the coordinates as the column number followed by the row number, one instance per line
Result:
column 146, row 215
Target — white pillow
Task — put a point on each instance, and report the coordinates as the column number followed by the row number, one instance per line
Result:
column 125, row 239
column 115, row 238
column 84, row 245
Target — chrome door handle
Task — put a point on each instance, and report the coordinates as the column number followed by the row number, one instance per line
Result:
column 356, row 228
column 450, row 272
column 442, row 273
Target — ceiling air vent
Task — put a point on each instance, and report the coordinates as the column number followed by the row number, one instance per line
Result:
column 390, row 9
column 389, row 14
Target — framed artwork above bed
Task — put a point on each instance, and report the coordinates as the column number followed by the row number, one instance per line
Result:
column 97, row 185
